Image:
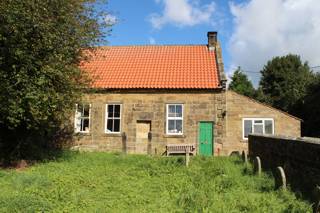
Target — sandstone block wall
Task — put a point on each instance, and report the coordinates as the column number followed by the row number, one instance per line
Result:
column 239, row 107
column 225, row 109
column 140, row 106
column 299, row 157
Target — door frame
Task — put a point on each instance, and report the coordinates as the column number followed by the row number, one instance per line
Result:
column 198, row 135
column 145, row 121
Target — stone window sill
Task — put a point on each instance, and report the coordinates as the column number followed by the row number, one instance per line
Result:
column 174, row 136
column 113, row 134
column 82, row 134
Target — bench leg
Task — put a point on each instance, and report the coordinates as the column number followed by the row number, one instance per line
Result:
column 187, row 158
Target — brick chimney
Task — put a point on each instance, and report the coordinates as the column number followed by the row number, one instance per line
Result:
column 212, row 40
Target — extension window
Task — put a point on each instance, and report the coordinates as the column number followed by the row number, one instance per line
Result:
column 257, row 126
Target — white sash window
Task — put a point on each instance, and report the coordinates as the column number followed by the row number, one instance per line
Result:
column 113, row 118
column 174, row 119
column 82, row 118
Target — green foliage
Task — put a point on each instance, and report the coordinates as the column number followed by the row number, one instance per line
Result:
column 285, row 81
column 290, row 85
column 100, row 182
column 311, row 110
column 41, row 45
column 241, row 84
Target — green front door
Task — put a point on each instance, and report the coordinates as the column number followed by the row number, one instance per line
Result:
column 205, row 138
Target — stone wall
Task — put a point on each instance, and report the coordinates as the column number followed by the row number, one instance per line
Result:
column 239, row 107
column 225, row 108
column 151, row 106
column 299, row 157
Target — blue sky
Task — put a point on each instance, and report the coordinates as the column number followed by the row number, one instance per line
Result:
column 251, row 31
column 134, row 26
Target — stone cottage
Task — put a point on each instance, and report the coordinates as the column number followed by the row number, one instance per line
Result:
column 144, row 98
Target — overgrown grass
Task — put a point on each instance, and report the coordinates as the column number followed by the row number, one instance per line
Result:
column 100, row 182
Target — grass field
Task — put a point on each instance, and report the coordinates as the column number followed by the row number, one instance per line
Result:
column 100, row 182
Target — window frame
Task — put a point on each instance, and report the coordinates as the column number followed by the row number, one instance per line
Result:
column 174, row 118
column 252, row 125
column 82, row 117
column 107, row 117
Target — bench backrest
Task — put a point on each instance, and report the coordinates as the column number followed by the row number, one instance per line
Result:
column 180, row 147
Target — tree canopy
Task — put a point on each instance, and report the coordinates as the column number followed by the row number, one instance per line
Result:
column 289, row 84
column 41, row 45
column 310, row 110
column 241, row 84
column 285, row 81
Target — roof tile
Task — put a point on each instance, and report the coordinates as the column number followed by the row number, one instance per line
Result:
column 156, row 67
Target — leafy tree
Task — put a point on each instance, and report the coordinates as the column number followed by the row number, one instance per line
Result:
column 260, row 96
column 284, row 82
column 241, row 84
column 41, row 46
column 311, row 110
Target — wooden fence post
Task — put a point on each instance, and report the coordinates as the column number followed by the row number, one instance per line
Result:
column 124, row 143
column 149, row 148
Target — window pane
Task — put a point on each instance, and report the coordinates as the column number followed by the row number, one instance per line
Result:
column 268, row 126
column 85, row 125
column 78, row 125
column 178, row 110
column 247, row 128
column 116, row 125
column 258, row 121
column 171, row 126
column 117, row 111
column 171, row 112
column 110, row 110
column 82, row 118
column 86, row 109
column 258, row 129
column 79, row 109
column 78, row 114
column 179, row 126
column 109, row 125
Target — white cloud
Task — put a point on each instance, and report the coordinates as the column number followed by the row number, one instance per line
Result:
column 182, row 13
column 110, row 19
column 264, row 29
column 152, row 40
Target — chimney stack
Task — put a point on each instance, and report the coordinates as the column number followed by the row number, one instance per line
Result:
column 212, row 40
column 214, row 46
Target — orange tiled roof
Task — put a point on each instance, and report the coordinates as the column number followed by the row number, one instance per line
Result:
column 156, row 67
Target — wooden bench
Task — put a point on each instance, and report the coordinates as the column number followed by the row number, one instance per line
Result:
column 181, row 149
